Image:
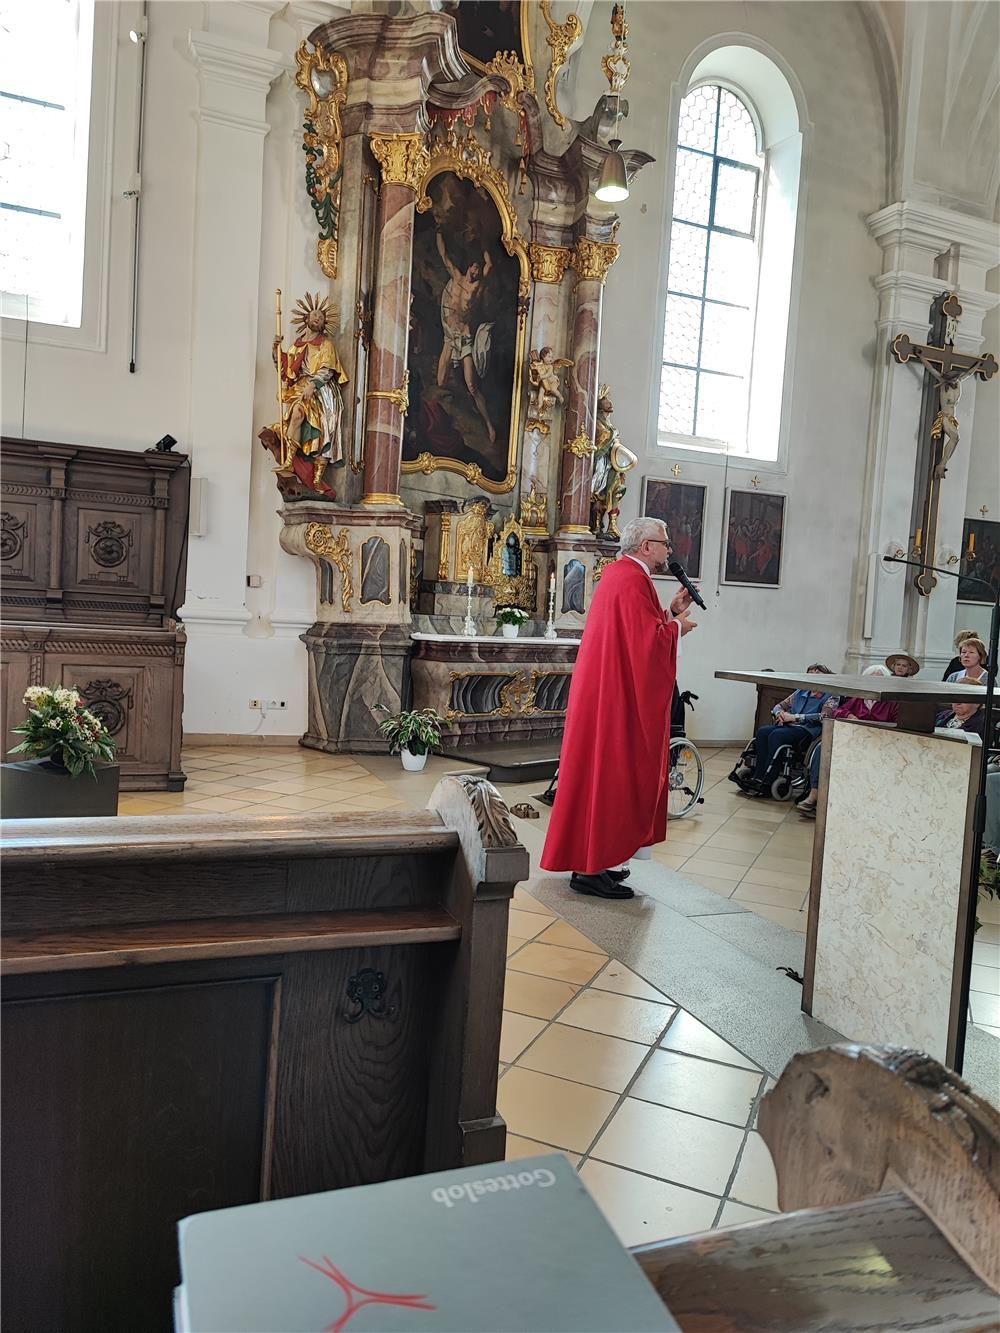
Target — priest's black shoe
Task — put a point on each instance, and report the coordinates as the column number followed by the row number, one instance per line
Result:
column 599, row 886
column 618, row 875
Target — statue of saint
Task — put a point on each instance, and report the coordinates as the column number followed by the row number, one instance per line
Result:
column 510, row 560
column 543, row 377
column 311, row 375
column 611, row 461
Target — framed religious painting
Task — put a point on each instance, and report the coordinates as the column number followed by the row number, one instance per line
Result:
column 681, row 505
column 491, row 28
column 469, row 281
column 983, row 563
column 753, row 538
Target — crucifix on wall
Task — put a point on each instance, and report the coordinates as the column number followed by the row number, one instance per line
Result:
column 944, row 371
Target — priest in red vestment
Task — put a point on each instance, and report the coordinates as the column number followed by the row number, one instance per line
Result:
column 611, row 799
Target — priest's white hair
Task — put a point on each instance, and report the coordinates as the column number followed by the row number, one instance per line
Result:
column 639, row 530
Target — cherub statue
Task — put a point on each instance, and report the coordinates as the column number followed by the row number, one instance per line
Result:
column 311, row 374
column 611, row 461
column 543, row 377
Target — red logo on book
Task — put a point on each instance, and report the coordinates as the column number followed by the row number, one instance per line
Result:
column 352, row 1292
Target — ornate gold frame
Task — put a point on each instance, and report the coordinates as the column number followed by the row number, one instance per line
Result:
column 467, row 158
column 518, row 589
column 517, row 698
column 322, row 140
column 504, row 60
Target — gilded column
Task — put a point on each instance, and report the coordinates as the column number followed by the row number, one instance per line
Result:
column 591, row 259
column 402, row 158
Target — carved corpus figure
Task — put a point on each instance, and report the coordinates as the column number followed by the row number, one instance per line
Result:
column 313, row 406
column 611, row 461
column 544, row 369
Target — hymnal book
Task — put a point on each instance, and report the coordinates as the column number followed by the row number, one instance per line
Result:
column 510, row 1245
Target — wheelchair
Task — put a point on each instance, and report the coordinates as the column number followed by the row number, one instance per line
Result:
column 787, row 778
column 685, row 767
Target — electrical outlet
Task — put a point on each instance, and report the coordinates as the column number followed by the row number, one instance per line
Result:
column 254, row 703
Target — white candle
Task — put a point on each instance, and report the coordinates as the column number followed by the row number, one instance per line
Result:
column 552, row 582
column 468, row 581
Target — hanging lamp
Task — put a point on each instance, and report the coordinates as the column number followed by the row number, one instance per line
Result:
column 612, row 187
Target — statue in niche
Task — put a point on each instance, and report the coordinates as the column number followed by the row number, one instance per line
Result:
column 310, row 436
column 543, row 376
column 510, row 558
column 611, row 461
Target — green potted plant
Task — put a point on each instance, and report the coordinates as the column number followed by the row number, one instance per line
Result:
column 63, row 739
column 510, row 619
column 412, row 735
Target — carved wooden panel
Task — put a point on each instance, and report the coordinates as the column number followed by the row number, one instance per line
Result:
column 111, row 1099
column 93, row 550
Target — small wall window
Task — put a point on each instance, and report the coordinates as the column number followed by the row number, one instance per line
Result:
column 714, row 263
column 45, row 79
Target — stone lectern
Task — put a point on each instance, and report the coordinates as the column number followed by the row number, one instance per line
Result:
column 889, row 897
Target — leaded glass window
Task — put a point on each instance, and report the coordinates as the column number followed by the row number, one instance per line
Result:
column 712, row 278
column 45, row 71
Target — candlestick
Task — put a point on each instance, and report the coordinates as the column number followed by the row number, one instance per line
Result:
column 469, row 628
column 972, row 543
column 550, row 629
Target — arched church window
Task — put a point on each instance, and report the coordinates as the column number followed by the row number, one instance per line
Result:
column 712, row 280
column 45, row 86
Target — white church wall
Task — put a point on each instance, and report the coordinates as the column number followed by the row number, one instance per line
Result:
column 984, row 458
column 827, row 50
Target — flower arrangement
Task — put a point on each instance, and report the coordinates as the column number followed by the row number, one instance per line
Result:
column 60, row 728
column 419, row 731
column 512, row 615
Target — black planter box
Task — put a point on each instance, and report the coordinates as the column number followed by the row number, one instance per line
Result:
column 34, row 789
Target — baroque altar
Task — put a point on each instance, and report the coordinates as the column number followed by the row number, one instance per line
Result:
column 442, row 434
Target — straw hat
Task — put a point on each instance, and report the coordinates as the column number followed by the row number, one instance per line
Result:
column 911, row 662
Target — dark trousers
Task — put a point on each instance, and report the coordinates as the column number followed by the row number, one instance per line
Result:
column 770, row 738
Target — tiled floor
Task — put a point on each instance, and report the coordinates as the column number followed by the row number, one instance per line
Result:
column 655, row 1109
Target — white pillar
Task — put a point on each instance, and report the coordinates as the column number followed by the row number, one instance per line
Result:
column 926, row 250
column 235, row 72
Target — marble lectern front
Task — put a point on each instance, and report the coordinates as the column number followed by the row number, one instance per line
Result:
column 889, row 901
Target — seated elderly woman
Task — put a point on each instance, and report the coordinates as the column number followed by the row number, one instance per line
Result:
column 798, row 718
column 973, row 656
column 865, row 710
column 901, row 664
column 965, row 715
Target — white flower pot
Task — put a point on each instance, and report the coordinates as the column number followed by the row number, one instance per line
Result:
column 413, row 763
column 509, row 631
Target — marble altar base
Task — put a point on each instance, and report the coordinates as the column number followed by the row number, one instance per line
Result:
column 352, row 668
column 491, row 688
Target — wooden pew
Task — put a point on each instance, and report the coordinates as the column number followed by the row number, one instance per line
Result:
column 199, row 1012
column 892, row 1167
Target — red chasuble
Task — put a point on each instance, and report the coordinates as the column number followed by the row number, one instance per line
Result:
column 611, row 798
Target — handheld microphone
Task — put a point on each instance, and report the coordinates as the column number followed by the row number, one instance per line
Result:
column 680, row 574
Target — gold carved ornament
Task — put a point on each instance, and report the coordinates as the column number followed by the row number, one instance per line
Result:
column 561, row 37
column 472, row 543
column 600, row 565
column 549, row 262
column 402, row 158
column 504, row 60
column 593, row 259
column 321, row 541
column 512, row 589
column 322, row 75
column 581, row 445
column 400, row 397
column 444, row 556
column 470, row 160
column 533, row 509
column 517, row 697
column 616, row 64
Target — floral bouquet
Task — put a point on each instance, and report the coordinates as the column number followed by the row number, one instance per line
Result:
column 512, row 615
column 58, row 727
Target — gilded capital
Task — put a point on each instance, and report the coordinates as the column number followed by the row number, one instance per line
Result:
column 549, row 262
column 592, row 259
column 403, row 158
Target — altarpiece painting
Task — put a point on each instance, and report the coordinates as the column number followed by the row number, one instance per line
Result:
column 466, row 337
column 754, row 533
column 488, row 28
